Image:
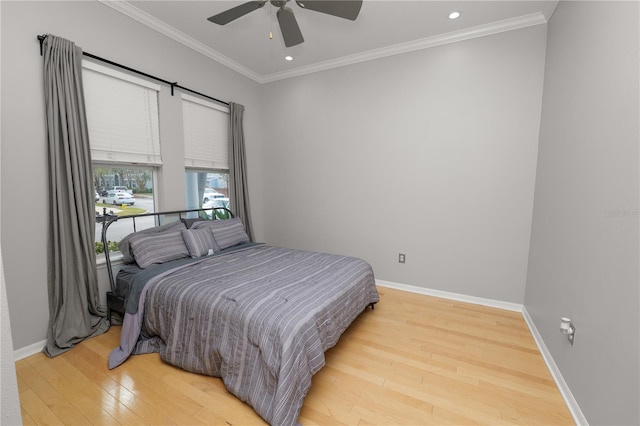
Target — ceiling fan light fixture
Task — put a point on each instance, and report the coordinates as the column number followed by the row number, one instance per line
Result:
column 291, row 34
column 454, row 15
column 288, row 58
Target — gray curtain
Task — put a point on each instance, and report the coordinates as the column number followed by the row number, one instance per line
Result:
column 238, row 168
column 74, row 313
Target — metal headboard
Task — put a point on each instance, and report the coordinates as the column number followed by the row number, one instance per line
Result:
column 108, row 218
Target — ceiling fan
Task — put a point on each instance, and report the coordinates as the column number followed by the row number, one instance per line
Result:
column 347, row 9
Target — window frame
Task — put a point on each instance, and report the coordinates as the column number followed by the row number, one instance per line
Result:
column 153, row 163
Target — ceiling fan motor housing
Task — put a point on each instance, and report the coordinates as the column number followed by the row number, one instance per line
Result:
column 291, row 34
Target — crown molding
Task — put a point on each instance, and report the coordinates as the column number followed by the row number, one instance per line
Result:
column 549, row 8
column 133, row 12
column 144, row 18
column 425, row 43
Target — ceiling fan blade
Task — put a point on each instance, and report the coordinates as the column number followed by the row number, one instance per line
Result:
column 347, row 9
column 236, row 12
column 291, row 33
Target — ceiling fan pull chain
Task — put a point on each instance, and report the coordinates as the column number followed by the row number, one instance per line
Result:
column 270, row 22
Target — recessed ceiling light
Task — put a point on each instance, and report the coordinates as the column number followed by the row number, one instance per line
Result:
column 288, row 58
column 454, row 15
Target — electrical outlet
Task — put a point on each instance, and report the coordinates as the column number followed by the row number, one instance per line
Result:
column 401, row 258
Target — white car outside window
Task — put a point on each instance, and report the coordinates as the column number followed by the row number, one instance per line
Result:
column 211, row 194
column 122, row 189
column 118, row 198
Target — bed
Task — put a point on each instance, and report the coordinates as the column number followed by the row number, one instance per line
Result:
column 212, row 302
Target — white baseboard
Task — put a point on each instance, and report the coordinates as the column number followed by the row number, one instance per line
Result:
column 33, row 349
column 571, row 402
column 508, row 306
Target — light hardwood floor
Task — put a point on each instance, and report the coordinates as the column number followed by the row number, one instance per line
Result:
column 414, row 360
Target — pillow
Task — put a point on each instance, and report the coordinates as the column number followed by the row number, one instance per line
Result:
column 124, row 244
column 199, row 241
column 229, row 232
column 214, row 223
column 190, row 222
column 157, row 247
column 199, row 224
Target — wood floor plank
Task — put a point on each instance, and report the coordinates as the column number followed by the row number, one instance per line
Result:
column 91, row 366
column 320, row 409
column 412, row 360
column 58, row 402
column 356, row 392
column 141, row 406
column 36, row 410
column 26, row 418
column 312, row 417
column 83, row 392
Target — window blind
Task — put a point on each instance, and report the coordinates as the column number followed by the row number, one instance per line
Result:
column 122, row 116
column 206, row 134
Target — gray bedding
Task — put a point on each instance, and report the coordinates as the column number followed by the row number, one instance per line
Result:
column 260, row 318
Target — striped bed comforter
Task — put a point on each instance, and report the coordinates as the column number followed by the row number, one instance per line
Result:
column 259, row 318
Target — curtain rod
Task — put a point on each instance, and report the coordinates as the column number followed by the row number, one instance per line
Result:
column 173, row 85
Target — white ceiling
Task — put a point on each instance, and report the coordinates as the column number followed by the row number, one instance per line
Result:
column 383, row 28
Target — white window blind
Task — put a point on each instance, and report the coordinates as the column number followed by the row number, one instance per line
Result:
column 122, row 116
column 206, row 134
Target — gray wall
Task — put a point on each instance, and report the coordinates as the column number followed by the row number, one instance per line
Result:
column 104, row 32
column 584, row 246
column 430, row 153
column 9, row 402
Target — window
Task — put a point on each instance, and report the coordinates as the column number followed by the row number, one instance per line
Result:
column 206, row 147
column 122, row 191
column 207, row 189
column 124, row 132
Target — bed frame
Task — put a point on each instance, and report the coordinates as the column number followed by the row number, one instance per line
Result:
column 117, row 303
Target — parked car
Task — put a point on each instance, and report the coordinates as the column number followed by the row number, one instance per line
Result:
column 117, row 198
column 211, row 194
column 121, row 189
